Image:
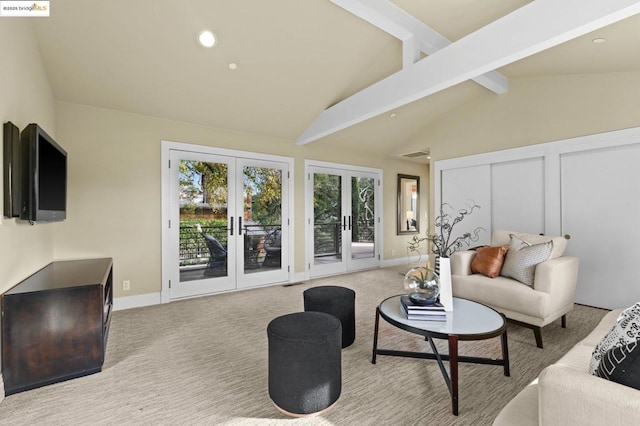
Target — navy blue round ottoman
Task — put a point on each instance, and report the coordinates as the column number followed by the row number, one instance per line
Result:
column 305, row 362
column 337, row 301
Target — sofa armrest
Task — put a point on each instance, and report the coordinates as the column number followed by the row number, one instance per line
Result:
column 557, row 277
column 461, row 262
column 568, row 395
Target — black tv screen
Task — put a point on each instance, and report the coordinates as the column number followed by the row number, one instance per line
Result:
column 44, row 183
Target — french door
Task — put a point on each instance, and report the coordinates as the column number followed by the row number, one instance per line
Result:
column 228, row 223
column 342, row 220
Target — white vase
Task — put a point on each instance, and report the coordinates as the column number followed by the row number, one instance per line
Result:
column 446, row 293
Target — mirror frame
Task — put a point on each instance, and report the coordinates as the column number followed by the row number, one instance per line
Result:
column 402, row 216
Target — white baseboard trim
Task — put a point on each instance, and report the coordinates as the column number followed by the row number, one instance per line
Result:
column 408, row 261
column 150, row 299
column 298, row 277
column 130, row 302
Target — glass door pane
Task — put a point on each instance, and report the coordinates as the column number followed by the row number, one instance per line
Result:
column 327, row 213
column 203, row 220
column 263, row 238
column 329, row 221
column 200, row 214
column 362, row 220
column 363, row 215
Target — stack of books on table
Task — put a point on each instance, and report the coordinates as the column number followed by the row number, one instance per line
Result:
column 413, row 311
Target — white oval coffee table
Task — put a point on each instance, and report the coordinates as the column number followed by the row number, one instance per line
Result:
column 468, row 321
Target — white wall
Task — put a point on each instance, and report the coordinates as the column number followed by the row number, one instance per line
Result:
column 114, row 187
column 536, row 110
column 25, row 97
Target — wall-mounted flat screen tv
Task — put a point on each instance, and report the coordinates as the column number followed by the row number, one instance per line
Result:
column 44, row 177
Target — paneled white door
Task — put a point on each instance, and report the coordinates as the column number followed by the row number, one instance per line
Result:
column 600, row 206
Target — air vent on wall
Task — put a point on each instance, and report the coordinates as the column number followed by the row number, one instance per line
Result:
column 416, row 154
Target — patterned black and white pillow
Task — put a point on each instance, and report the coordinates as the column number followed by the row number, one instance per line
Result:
column 621, row 364
column 625, row 331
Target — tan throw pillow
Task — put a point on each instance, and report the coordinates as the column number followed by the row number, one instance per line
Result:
column 521, row 260
column 489, row 260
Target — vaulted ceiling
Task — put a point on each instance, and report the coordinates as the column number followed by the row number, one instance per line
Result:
column 294, row 60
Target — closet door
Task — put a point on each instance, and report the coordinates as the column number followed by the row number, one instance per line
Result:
column 600, row 207
column 463, row 187
column 517, row 195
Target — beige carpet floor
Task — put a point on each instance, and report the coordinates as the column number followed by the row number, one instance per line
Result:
column 204, row 362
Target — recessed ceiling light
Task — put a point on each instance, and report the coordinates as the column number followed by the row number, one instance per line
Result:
column 598, row 40
column 207, row 39
column 233, row 66
column 393, row 114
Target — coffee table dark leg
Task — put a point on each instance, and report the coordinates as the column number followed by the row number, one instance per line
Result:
column 505, row 353
column 375, row 337
column 453, row 371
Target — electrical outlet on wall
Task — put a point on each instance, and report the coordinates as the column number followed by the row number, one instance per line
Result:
column 126, row 285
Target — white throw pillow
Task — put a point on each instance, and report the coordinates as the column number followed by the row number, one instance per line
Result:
column 522, row 259
column 625, row 331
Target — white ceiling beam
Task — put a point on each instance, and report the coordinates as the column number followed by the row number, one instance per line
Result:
column 398, row 23
column 410, row 51
column 533, row 28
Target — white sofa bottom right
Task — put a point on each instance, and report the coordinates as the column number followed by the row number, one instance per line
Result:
column 566, row 393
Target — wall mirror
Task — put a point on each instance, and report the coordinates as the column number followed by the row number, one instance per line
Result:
column 408, row 204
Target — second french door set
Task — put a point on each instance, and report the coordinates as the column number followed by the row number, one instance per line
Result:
column 343, row 218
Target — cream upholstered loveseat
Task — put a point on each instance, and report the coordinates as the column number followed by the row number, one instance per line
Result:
column 550, row 297
column 566, row 393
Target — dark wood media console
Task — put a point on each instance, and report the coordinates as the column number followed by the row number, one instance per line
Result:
column 55, row 324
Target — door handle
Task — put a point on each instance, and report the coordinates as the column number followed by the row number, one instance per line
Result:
column 239, row 225
column 350, row 223
column 231, row 227
column 344, row 223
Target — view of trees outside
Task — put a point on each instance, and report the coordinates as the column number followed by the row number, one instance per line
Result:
column 363, row 208
column 327, row 214
column 327, row 210
column 263, row 195
column 203, row 184
column 204, row 198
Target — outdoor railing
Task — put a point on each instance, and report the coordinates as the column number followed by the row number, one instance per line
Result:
column 193, row 246
column 327, row 241
column 328, row 236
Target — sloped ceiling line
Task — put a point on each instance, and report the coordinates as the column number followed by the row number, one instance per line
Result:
column 539, row 25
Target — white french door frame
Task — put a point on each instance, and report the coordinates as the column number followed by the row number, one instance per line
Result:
column 169, row 272
column 346, row 171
